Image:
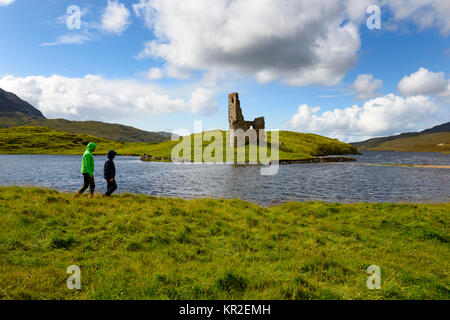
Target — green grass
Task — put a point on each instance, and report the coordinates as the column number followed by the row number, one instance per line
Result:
column 422, row 142
column 141, row 247
column 110, row 131
column 292, row 145
column 41, row 140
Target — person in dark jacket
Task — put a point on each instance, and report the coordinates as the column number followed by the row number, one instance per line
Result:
column 110, row 174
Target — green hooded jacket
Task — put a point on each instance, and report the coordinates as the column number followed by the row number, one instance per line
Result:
column 87, row 164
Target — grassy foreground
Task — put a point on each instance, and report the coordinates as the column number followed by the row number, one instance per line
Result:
column 141, row 247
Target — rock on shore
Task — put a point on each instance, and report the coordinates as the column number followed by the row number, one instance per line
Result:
column 147, row 158
column 317, row 160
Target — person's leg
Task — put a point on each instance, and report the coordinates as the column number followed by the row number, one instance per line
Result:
column 110, row 187
column 91, row 186
column 114, row 186
column 86, row 182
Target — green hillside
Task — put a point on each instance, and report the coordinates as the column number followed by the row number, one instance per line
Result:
column 425, row 142
column 41, row 140
column 436, row 139
column 15, row 112
column 375, row 142
column 111, row 131
column 141, row 247
column 292, row 145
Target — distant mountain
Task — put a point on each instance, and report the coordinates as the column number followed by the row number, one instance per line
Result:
column 441, row 128
column 14, row 107
column 17, row 112
column 110, row 131
column 436, row 139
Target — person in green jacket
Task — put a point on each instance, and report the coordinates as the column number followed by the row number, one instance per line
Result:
column 87, row 170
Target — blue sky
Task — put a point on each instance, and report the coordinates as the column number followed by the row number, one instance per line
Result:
column 284, row 59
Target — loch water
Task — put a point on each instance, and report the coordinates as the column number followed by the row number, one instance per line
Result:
column 360, row 181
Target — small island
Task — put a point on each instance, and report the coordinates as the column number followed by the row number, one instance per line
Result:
column 293, row 147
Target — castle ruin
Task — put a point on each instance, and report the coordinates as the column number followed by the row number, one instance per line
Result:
column 238, row 125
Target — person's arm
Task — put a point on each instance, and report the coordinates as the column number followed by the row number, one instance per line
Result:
column 105, row 170
column 90, row 164
column 113, row 170
column 108, row 170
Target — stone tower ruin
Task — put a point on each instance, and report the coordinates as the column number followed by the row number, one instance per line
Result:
column 237, row 121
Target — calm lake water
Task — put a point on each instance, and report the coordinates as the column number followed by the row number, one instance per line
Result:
column 335, row 182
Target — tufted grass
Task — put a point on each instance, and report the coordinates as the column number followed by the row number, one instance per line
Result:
column 142, row 247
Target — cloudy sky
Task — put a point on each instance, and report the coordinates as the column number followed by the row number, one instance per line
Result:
column 310, row 66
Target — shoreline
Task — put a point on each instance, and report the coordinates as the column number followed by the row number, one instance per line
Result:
column 273, row 204
column 403, row 151
column 325, row 159
column 415, row 165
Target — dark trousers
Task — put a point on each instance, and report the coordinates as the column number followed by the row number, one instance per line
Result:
column 110, row 187
column 88, row 182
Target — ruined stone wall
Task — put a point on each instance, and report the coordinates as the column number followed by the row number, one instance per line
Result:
column 236, row 121
column 234, row 109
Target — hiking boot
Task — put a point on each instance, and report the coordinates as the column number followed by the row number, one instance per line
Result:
column 78, row 194
column 91, row 195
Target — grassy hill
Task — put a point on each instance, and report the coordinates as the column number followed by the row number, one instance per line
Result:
column 375, row 142
column 111, row 131
column 141, row 247
column 16, row 112
column 292, row 145
column 424, row 141
column 427, row 142
column 41, row 140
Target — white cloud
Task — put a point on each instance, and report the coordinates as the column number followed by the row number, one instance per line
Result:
column 144, row 10
column 177, row 72
column 212, row 78
column 6, row 2
column 115, row 18
column 366, row 86
column 424, row 81
column 87, row 32
column 203, row 101
column 155, row 73
column 74, row 38
column 424, row 13
column 377, row 117
column 93, row 97
column 297, row 42
column 167, row 71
